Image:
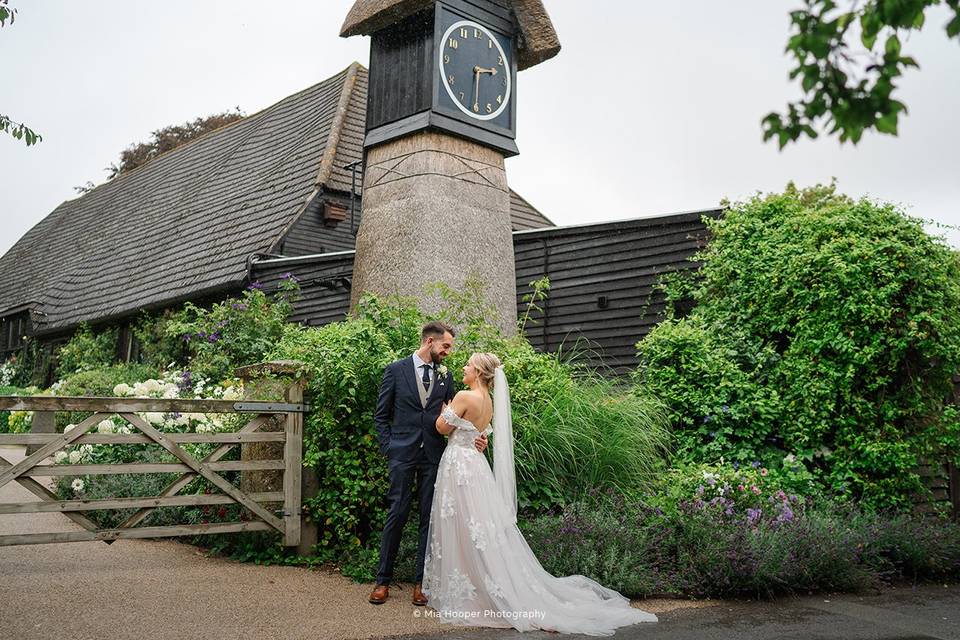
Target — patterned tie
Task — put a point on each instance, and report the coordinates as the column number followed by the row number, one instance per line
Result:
column 426, row 376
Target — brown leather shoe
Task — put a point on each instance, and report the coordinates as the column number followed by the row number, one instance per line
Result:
column 380, row 594
column 418, row 598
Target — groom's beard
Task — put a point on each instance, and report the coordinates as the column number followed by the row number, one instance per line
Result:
column 436, row 358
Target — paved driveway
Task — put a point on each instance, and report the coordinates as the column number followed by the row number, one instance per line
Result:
column 145, row 590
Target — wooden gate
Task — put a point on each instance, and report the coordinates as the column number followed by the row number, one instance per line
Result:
column 288, row 523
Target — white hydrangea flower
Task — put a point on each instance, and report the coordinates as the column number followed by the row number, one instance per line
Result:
column 105, row 426
column 154, row 417
column 140, row 391
column 59, row 457
column 67, row 428
column 232, row 393
column 86, row 449
column 75, row 457
column 152, row 386
column 122, row 389
column 124, row 428
column 171, row 393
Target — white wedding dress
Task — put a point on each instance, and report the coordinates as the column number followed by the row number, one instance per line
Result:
column 479, row 570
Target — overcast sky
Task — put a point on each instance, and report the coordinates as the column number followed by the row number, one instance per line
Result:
column 650, row 108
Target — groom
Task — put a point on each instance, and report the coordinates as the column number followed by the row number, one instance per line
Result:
column 412, row 395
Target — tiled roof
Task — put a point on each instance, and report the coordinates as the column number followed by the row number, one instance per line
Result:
column 185, row 223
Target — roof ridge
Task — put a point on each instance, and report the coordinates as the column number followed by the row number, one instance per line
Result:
column 336, row 127
column 329, row 152
column 202, row 136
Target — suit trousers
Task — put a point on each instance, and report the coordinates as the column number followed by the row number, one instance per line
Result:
column 400, row 498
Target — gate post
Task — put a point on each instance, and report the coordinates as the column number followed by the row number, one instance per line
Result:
column 268, row 381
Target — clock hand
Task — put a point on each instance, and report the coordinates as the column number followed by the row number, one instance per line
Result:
column 476, row 88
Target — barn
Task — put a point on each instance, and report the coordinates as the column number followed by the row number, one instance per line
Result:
column 280, row 191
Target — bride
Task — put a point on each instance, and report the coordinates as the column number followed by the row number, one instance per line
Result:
column 479, row 570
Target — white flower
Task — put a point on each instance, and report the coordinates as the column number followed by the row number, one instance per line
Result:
column 77, row 485
column 122, row 389
column 75, row 456
column 152, row 386
column 68, row 427
column 154, row 417
column 790, row 458
column 59, row 457
column 171, row 393
column 105, row 426
column 86, row 449
column 232, row 393
column 123, row 429
column 442, row 370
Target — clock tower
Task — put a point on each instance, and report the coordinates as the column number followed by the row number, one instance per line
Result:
column 441, row 118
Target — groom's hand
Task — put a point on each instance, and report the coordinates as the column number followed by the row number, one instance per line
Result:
column 481, row 443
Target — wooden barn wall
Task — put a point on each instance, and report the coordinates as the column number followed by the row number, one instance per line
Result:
column 602, row 299
column 621, row 261
column 311, row 234
column 12, row 329
column 324, row 286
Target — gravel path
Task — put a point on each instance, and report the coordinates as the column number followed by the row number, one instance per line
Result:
column 164, row 589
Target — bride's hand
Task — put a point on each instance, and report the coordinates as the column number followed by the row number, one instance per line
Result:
column 481, row 442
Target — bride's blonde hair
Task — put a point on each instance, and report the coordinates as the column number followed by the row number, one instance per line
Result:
column 486, row 364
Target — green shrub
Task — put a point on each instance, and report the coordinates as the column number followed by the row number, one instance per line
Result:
column 86, row 350
column 96, row 383
column 232, row 333
column 712, row 549
column 824, row 327
column 571, row 433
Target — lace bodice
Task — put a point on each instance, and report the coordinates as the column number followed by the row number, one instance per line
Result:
column 465, row 433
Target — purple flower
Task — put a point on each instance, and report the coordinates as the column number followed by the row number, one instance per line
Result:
column 726, row 409
column 753, row 516
column 288, row 276
column 755, row 464
column 255, row 285
column 786, row 515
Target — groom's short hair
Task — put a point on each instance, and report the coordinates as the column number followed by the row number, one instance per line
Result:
column 436, row 329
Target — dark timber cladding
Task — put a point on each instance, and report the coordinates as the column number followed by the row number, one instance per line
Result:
column 602, row 278
column 400, row 58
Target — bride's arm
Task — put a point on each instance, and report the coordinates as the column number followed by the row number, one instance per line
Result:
column 458, row 406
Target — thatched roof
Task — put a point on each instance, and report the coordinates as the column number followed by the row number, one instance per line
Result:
column 538, row 40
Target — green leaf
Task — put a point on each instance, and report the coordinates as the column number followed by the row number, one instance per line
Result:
column 892, row 47
column 953, row 27
column 888, row 124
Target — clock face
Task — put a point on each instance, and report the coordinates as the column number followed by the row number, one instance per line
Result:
column 474, row 70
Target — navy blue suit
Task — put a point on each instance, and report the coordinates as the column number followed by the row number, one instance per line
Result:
column 409, row 439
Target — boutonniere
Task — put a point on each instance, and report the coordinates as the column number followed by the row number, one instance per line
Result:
column 442, row 370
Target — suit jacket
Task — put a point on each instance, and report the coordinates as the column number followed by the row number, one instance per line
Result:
column 404, row 424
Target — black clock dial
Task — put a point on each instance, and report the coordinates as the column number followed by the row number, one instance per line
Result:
column 474, row 70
